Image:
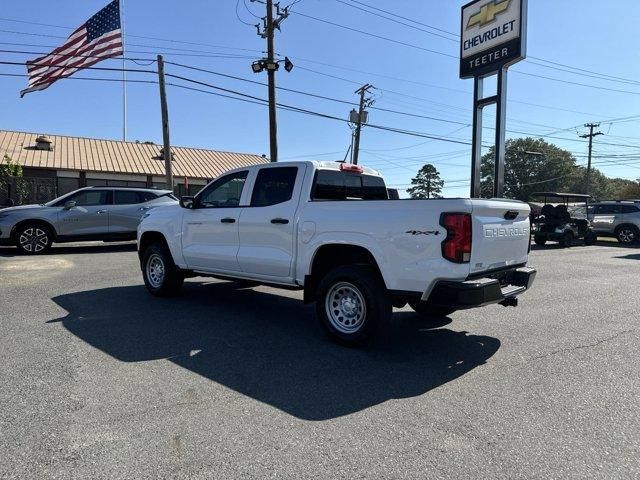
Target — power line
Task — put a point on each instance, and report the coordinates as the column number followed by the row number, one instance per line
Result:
column 72, row 55
column 408, row 19
column 315, row 95
column 394, row 20
column 369, row 34
column 96, row 79
column 238, row 14
column 317, row 114
column 107, row 69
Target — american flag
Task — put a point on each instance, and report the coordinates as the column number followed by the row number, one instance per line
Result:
column 98, row 39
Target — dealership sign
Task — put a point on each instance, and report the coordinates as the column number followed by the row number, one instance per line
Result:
column 493, row 36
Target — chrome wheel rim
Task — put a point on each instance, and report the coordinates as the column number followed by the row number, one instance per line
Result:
column 155, row 270
column 627, row 235
column 33, row 239
column 345, row 307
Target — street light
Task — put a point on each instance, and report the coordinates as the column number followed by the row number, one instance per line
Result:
column 264, row 64
column 288, row 64
column 257, row 66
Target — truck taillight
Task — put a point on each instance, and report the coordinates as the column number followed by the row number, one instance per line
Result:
column 349, row 167
column 457, row 246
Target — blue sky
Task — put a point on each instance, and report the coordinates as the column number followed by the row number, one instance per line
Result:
column 596, row 36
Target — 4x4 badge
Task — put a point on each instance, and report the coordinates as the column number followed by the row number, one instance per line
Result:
column 423, row 232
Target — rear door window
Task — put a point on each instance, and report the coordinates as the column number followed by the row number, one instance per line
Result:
column 128, row 197
column 337, row 185
column 630, row 209
column 607, row 209
column 88, row 198
column 273, row 186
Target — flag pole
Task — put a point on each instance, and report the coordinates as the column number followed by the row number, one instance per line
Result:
column 124, row 76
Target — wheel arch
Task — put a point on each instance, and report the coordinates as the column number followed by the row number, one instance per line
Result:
column 34, row 221
column 332, row 255
column 149, row 238
column 623, row 225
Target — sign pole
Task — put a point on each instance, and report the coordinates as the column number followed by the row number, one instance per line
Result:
column 476, row 153
column 501, row 116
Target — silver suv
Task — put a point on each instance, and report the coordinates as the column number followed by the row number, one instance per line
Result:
column 620, row 219
column 93, row 213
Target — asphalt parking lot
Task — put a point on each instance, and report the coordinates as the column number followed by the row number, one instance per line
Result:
column 101, row 380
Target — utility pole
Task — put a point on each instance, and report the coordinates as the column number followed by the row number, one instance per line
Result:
column 166, row 149
column 271, row 75
column 364, row 102
column 271, row 65
column 590, row 135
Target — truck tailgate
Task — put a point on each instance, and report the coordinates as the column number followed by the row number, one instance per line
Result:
column 500, row 230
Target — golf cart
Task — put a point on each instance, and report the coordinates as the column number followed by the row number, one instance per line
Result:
column 561, row 219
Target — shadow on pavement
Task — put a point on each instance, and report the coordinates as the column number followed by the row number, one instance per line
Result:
column 62, row 249
column 631, row 256
column 271, row 348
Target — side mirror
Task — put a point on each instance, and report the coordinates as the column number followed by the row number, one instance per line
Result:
column 69, row 205
column 187, row 202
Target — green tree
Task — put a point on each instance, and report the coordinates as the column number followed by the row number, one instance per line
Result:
column 530, row 165
column 426, row 184
column 11, row 181
column 630, row 191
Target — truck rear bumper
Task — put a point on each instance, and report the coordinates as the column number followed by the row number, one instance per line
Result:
column 501, row 288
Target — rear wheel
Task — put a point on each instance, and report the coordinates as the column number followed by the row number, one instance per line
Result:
column 353, row 304
column 161, row 276
column 539, row 240
column 33, row 239
column 627, row 234
column 430, row 311
column 590, row 237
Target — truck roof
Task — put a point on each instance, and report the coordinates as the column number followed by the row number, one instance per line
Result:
column 338, row 165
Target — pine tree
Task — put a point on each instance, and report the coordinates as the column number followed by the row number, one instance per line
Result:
column 426, row 184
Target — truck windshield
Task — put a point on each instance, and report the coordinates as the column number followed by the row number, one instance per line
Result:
column 337, row 185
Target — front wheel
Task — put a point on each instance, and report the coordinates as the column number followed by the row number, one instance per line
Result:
column 161, row 276
column 539, row 240
column 430, row 311
column 33, row 239
column 353, row 304
column 567, row 240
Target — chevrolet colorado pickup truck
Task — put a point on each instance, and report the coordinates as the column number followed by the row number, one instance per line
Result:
column 330, row 230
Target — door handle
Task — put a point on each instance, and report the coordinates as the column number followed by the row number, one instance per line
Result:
column 282, row 221
column 101, row 211
column 142, row 209
column 228, row 220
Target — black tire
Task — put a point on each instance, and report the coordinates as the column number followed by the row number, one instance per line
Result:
column 33, row 238
column 430, row 311
column 627, row 234
column 353, row 304
column 590, row 238
column 161, row 276
column 567, row 240
column 539, row 240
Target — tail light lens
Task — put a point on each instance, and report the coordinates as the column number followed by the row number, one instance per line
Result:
column 349, row 167
column 457, row 246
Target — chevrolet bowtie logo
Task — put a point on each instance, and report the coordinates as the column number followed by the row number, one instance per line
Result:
column 488, row 13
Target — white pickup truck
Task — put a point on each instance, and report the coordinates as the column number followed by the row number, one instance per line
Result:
column 329, row 229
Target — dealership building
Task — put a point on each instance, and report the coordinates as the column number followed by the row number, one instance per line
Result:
column 54, row 165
